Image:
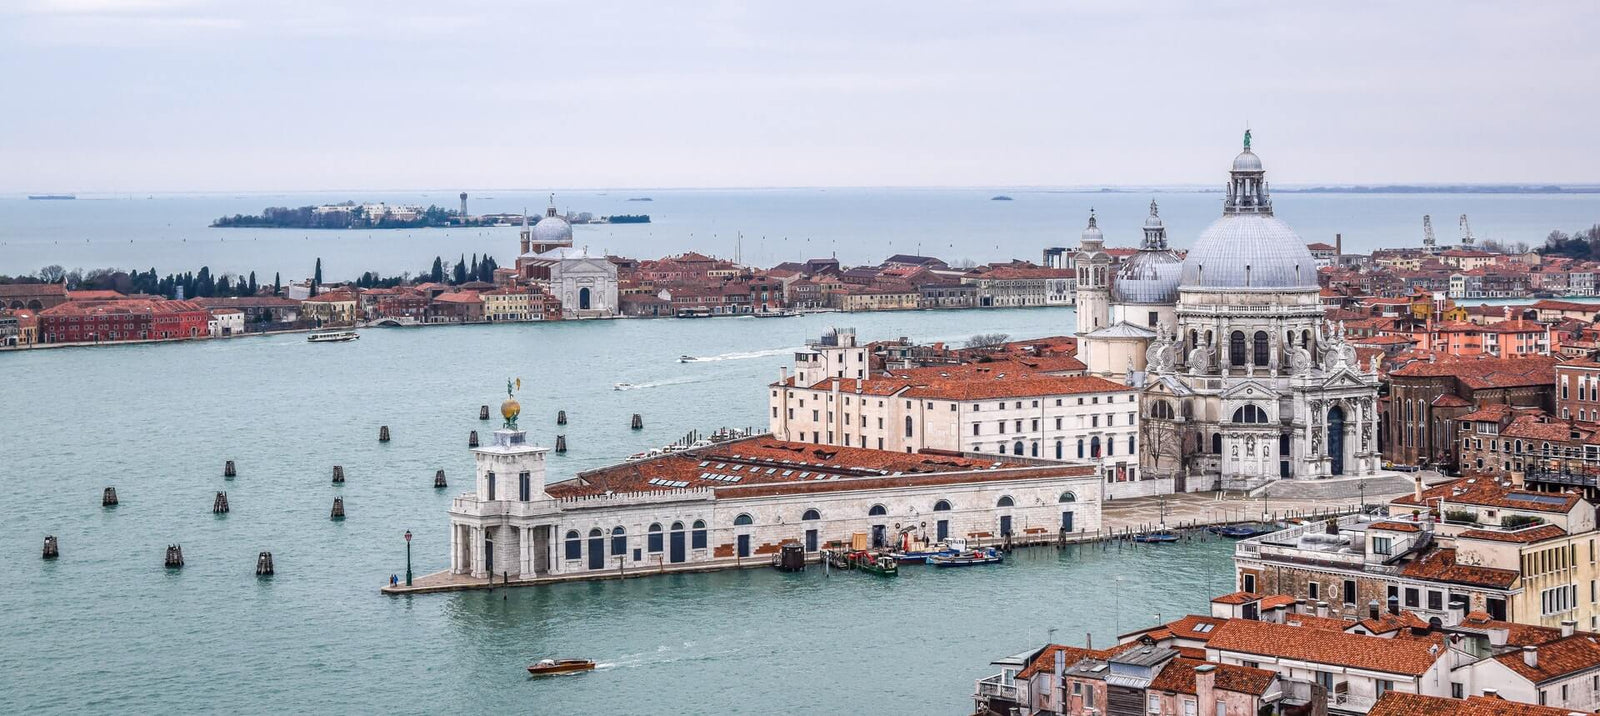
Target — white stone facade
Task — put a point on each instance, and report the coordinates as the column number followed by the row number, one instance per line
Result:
column 520, row 535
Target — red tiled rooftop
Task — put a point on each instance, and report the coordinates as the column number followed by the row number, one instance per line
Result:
column 1484, row 492
column 1558, row 659
column 1394, row 526
column 1523, row 536
column 1395, row 656
column 1440, row 566
column 1178, row 676
column 1398, row 703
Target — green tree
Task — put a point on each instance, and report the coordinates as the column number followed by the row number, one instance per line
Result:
column 316, row 278
column 459, row 275
column 277, row 284
column 437, row 274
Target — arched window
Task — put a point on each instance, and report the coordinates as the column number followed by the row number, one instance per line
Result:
column 1033, row 450
column 1016, row 448
column 941, row 506
column 1161, row 409
column 877, row 510
column 574, row 545
column 595, row 532
column 1249, row 414
column 1209, row 341
column 908, row 426
column 1261, row 351
column 698, row 536
column 654, row 542
column 1068, row 497
column 1236, row 348
column 1080, row 448
column 583, row 298
column 1288, row 338
column 1188, row 409
column 1131, row 451
column 489, row 482
column 1194, row 339
column 1111, row 446
column 619, row 540
column 1006, row 501
column 740, row 521
column 1094, row 447
column 811, row 515
column 1059, row 449
column 1216, row 443
column 1305, row 340
column 677, row 527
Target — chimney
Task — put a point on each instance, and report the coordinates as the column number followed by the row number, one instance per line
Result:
column 858, row 386
column 1322, row 609
column 1416, row 487
column 1205, row 678
column 1338, row 248
column 783, row 374
column 1568, row 626
column 1498, row 636
column 1300, row 607
column 1457, row 612
column 1530, row 656
column 1372, row 609
column 1394, row 605
column 1060, row 665
column 1491, row 693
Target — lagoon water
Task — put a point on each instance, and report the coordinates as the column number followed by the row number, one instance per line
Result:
column 106, row 627
column 170, row 234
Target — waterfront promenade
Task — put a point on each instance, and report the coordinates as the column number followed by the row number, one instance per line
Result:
column 1188, row 510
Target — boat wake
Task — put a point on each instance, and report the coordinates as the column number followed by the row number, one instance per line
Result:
column 657, row 383
column 745, row 355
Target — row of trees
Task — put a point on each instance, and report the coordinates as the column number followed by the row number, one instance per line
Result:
column 463, row 272
column 1583, row 244
column 353, row 217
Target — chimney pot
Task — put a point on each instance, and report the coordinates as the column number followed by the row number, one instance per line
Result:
column 1372, row 609
column 1322, row 609
column 1491, row 693
column 1530, row 656
column 1394, row 605
column 1568, row 627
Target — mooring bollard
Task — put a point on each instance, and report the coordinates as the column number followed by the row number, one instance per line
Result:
column 561, row 417
column 264, row 564
column 561, row 443
column 338, row 474
column 220, row 506
column 383, row 434
column 51, row 549
column 338, row 509
column 109, row 499
column 472, row 440
column 638, row 422
column 483, row 412
column 438, row 479
column 174, row 556
column 228, row 471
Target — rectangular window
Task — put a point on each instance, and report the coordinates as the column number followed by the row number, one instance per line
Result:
column 654, row 543
column 1413, row 597
column 1313, row 590
column 975, row 430
column 1349, row 591
column 1154, row 702
column 1435, row 600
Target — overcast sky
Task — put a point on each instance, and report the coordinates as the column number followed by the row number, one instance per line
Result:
column 232, row 95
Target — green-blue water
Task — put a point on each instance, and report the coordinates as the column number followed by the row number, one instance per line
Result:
column 105, row 627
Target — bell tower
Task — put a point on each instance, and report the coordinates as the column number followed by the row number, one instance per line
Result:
column 1094, row 279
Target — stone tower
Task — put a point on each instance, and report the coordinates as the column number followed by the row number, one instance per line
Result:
column 1094, row 279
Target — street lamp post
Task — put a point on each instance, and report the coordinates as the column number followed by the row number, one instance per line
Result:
column 408, row 558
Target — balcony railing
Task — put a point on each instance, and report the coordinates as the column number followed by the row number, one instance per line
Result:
column 999, row 686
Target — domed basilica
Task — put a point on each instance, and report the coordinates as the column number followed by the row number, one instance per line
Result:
column 1242, row 380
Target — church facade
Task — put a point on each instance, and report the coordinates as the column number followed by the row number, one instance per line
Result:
column 1242, row 380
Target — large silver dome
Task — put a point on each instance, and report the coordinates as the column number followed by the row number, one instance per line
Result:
column 552, row 229
column 1148, row 277
column 1249, row 252
column 1247, row 161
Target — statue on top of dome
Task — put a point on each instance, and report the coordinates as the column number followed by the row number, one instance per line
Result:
column 510, row 408
column 1247, row 140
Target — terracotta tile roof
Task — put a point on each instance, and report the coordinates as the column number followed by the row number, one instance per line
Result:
column 1492, row 412
column 1515, row 326
column 1312, row 621
column 1387, row 622
column 763, row 466
column 332, row 297
column 1045, row 662
column 1539, row 426
column 458, row 297
column 1394, row 526
column 1525, row 536
column 1484, row 492
column 1178, row 676
column 1516, row 634
column 1557, row 659
column 1440, row 566
column 14, row 290
column 1485, row 372
column 1236, row 598
column 1275, row 601
column 94, row 295
column 1397, row 703
column 1450, row 400
column 1395, row 656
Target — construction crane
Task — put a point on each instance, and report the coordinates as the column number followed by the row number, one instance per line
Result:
column 1427, row 233
column 1466, row 233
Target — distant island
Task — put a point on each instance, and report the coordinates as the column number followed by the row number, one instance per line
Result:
column 628, row 219
column 348, row 215
column 641, row 198
column 1001, row 197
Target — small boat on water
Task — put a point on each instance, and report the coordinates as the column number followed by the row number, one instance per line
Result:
column 1240, row 531
column 621, row 386
column 544, row 667
column 687, row 359
column 1158, row 537
column 774, row 314
column 883, row 565
column 968, row 559
column 332, row 336
column 949, row 548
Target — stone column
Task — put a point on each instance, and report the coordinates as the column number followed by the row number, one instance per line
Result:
column 455, row 548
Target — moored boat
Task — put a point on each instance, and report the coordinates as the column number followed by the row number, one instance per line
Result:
column 332, row 336
column 545, row 667
column 882, row 565
column 1158, row 537
column 774, row 314
column 968, row 559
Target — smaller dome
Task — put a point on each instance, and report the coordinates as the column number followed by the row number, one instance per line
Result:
column 510, row 409
column 1092, row 231
column 1247, row 161
column 1153, row 221
column 552, row 229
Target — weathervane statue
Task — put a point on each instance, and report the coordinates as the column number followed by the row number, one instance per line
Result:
column 1247, row 140
column 510, row 409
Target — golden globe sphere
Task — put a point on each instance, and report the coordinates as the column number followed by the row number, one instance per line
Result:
column 510, row 409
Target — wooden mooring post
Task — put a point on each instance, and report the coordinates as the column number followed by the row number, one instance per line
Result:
column 174, row 558
column 227, row 469
column 338, row 509
column 638, row 422
column 264, row 564
column 483, row 412
column 109, row 499
column 383, row 434
column 561, row 417
column 438, row 479
column 220, row 505
column 52, row 550
column 338, row 474
column 561, row 443
column 472, row 439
